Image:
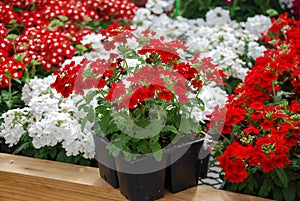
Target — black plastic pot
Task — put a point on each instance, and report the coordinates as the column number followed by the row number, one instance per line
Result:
column 184, row 173
column 204, row 164
column 106, row 162
column 140, row 187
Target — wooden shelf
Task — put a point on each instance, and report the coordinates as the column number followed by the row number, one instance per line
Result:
column 28, row 179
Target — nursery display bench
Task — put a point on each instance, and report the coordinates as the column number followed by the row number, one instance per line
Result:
column 23, row 178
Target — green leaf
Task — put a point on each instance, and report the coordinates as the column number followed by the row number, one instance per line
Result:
column 282, row 176
column 87, row 18
column 251, row 185
column 265, row 188
column 35, row 62
column 12, row 21
column 82, row 106
column 83, row 123
column 91, row 115
column 157, row 151
column 18, row 81
column 151, row 130
column 142, row 123
column 277, row 194
column 63, row 18
column 61, row 156
column 53, row 152
column 289, row 193
column 194, row 126
column 184, row 126
column 143, row 147
column 120, row 141
column 22, row 147
column 242, row 186
column 277, row 181
column 39, row 155
column 29, row 152
column 169, row 128
column 104, row 123
column 56, row 22
column 113, row 150
column 272, row 12
column 84, row 162
column 292, row 175
column 89, row 97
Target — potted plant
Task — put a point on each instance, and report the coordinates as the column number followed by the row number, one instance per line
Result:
column 146, row 96
column 260, row 151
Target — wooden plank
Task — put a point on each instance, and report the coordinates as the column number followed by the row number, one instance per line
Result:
column 29, row 179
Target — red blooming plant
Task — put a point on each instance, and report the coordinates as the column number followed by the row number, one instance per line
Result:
column 260, row 153
column 145, row 92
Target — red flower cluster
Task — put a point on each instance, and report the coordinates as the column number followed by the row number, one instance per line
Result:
column 262, row 116
column 46, row 31
column 10, row 69
column 161, row 75
column 80, row 10
column 71, row 78
column 166, row 50
column 48, row 47
column 116, row 34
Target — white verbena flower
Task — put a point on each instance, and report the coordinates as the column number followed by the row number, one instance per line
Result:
column 156, row 6
column 49, row 119
column 217, row 16
column 12, row 128
column 258, row 24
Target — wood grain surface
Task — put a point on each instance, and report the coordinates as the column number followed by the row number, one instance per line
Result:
column 29, row 179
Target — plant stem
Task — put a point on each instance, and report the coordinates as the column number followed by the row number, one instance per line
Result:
column 26, row 76
column 226, row 139
column 273, row 89
column 33, row 71
column 234, row 5
column 177, row 9
column 9, row 94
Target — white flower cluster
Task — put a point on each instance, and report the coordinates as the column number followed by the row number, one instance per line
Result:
column 156, row 6
column 217, row 17
column 220, row 38
column 49, row 119
column 12, row 128
column 257, row 25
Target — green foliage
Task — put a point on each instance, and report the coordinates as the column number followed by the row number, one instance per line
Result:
column 142, row 131
column 239, row 10
column 279, row 184
column 283, row 177
column 56, row 153
column 231, row 84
